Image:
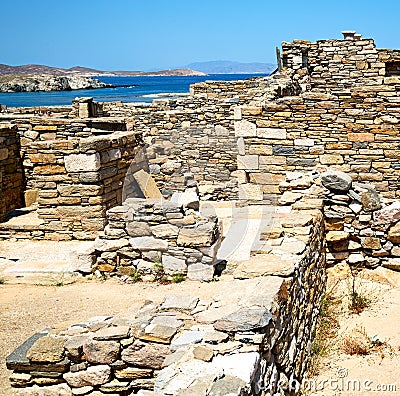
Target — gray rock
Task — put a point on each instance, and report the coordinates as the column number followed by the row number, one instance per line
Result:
column 180, row 303
column 138, row 229
column 173, row 265
column 188, row 199
column 112, row 333
column 227, row 386
column 336, row 181
column 148, row 243
column 186, row 338
column 370, row 201
column 245, row 319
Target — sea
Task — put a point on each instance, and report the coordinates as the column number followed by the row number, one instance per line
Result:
column 128, row 89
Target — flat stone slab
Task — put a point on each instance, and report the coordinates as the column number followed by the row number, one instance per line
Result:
column 18, row 359
column 264, row 264
column 177, row 302
column 245, row 319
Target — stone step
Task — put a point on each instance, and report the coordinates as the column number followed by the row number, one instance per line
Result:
column 41, row 262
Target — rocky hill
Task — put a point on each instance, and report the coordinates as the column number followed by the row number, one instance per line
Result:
column 85, row 71
column 46, row 82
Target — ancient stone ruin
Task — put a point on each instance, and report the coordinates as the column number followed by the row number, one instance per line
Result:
column 318, row 141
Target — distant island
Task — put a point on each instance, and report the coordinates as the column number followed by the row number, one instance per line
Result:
column 229, row 67
column 86, row 71
column 48, row 83
column 35, row 78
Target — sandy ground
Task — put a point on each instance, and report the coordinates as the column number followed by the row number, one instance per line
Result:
column 25, row 309
column 379, row 371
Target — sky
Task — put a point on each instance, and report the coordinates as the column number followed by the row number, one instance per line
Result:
column 157, row 34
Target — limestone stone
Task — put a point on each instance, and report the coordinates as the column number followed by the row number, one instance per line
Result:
column 289, row 197
column 247, row 162
column 251, row 192
column 82, row 162
column 245, row 319
column 74, row 345
column 187, row 338
column 173, row 265
column 133, row 373
column 164, row 231
column 145, row 354
column 371, row 243
column 146, row 243
column 188, row 199
column 394, row 234
column 336, row 180
column 101, row 352
column 179, row 302
column 228, row 385
column 158, row 333
column 271, row 133
column 138, row 229
column 92, row 376
column 147, row 185
column 203, row 353
column 245, row 128
column 356, row 258
column 47, row 349
column 239, row 365
column 337, row 236
column 199, row 235
column 263, row 265
column 112, row 333
column 200, row 271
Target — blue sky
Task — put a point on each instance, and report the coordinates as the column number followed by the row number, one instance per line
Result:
column 155, row 34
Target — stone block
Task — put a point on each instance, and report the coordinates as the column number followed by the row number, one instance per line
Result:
column 147, row 184
column 282, row 150
column 92, row 376
column 145, row 354
column 198, row 235
column 250, row 192
column 360, row 137
column 200, row 272
column 82, row 162
column 148, row 243
column 247, row 162
column 47, row 349
column 3, row 154
column 173, row 265
column 272, row 133
column 331, row 159
column 245, row 128
column 304, row 142
column 101, row 352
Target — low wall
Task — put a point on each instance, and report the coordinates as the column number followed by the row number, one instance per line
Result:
column 254, row 336
column 363, row 227
column 150, row 239
column 11, row 174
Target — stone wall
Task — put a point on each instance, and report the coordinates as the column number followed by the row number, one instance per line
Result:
column 363, row 227
column 75, row 181
column 153, row 239
column 11, row 174
column 347, row 117
column 253, row 337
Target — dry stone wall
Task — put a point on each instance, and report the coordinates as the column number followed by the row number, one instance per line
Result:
column 11, row 175
column 153, row 239
column 362, row 227
column 347, row 116
column 251, row 338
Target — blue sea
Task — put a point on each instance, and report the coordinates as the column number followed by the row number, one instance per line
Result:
column 129, row 89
